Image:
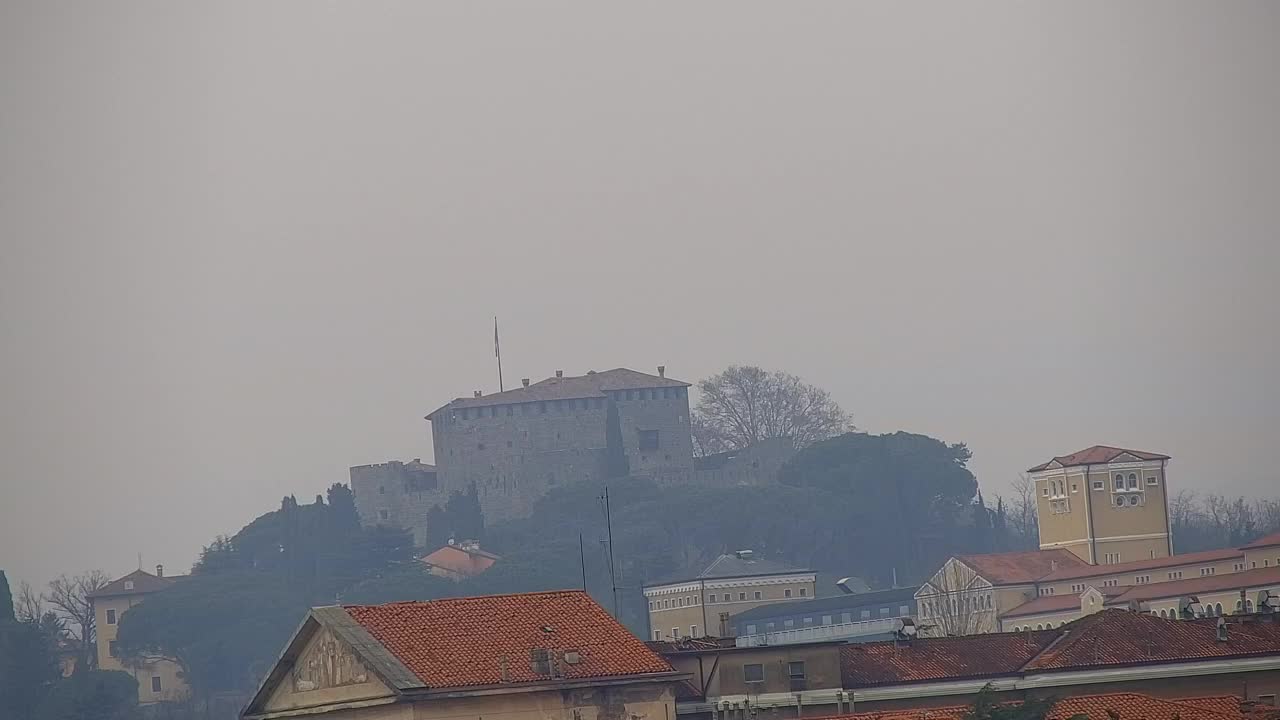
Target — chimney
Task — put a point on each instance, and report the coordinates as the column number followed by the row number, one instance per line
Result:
column 662, row 371
column 559, row 373
column 159, row 571
column 524, row 382
column 724, row 624
column 476, row 393
column 1222, row 629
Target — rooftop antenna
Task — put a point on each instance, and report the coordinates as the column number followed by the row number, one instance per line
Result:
column 613, row 578
column 139, row 561
column 497, row 352
column 582, row 558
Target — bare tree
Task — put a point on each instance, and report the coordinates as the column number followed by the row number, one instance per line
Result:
column 744, row 405
column 70, row 598
column 1023, row 515
column 28, row 605
column 955, row 601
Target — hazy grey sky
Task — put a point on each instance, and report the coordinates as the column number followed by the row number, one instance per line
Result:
column 246, row 245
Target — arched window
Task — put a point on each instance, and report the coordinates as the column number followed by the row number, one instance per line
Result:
column 1217, row 608
column 1133, row 481
column 1039, row 626
column 1248, row 606
column 1119, row 481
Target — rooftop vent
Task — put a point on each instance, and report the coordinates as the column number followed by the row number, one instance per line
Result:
column 572, row 657
column 745, row 555
column 662, row 371
column 159, row 571
column 591, row 372
column 524, row 382
column 559, row 373
column 476, row 393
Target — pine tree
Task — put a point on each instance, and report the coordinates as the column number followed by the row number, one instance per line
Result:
column 6, row 600
column 617, row 465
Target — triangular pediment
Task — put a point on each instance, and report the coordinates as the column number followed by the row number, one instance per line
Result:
column 1126, row 458
column 318, row 668
column 1053, row 465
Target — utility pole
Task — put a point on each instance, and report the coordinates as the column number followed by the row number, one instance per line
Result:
column 613, row 578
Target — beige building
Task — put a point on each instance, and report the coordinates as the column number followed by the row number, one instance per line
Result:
column 1107, row 505
column 970, row 593
column 159, row 679
column 513, row 657
column 695, row 607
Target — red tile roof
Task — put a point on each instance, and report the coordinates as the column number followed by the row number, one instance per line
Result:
column 1094, row 707
column 1104, row 639
column 1119, row 637
column 1060, row 603
column 1265, row 541
column 1086, row 571
column 461, row 561
column 1207, row 584
column 1014, row 568
column 463, row 642
column 142, row 582
column 1097, row 455
column 950, row 658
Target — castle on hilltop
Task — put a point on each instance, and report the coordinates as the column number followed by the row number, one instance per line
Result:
column 516, row 445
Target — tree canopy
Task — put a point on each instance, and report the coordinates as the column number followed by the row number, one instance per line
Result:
column 744, row 405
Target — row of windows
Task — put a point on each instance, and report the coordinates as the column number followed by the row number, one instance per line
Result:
column 754, row 672
column 543, row 406
column 1210, row 610
column 967, row 603
column 1058, row 488
column 1038, row 626
column 691, row 600
column 845, row 617
column 675, row 633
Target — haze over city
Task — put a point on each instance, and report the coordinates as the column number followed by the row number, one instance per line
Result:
column 248, row 246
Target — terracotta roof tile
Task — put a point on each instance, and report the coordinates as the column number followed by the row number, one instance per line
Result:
column 1120, row 637
column 1086, row 571
column 1060, row 603
column 950, row 658
column 1265, row 541
column 1014, row 568
column 1094, row 707
column 142, row 582
column 570, row 387
column 462, row 642
column 1206, row 584
column 464, row 562
column 1097, row 455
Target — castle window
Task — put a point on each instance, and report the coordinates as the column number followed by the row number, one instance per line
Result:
column 155, row 683
column 804, row 591
column 648, row 439
column 786, row 593
column 383, row 515
column 757, row 595
column 742, row 596
column 711, row 597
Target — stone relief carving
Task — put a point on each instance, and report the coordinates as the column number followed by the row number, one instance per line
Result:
column 327, row 664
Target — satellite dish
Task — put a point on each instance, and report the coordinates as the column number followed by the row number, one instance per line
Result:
column 907, row 628
column 1267, row 602
column 1190, row 607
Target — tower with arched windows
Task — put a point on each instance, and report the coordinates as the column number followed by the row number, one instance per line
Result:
column 1105, row 504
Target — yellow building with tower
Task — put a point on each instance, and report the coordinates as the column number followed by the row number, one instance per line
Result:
column 1106, row 505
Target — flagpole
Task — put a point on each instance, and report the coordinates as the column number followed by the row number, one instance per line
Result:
column 497, row 351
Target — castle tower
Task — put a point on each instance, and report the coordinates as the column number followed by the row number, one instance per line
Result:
column 1105, row 504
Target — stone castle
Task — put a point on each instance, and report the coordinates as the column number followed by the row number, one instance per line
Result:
column 516, row 445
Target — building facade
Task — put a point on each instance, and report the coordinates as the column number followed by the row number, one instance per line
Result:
column 1107, row 505
column 159, row 679
column 514, row 446
column 704, row 605
column 853, row 617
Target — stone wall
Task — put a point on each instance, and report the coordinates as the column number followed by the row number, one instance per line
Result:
column 397, row 494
